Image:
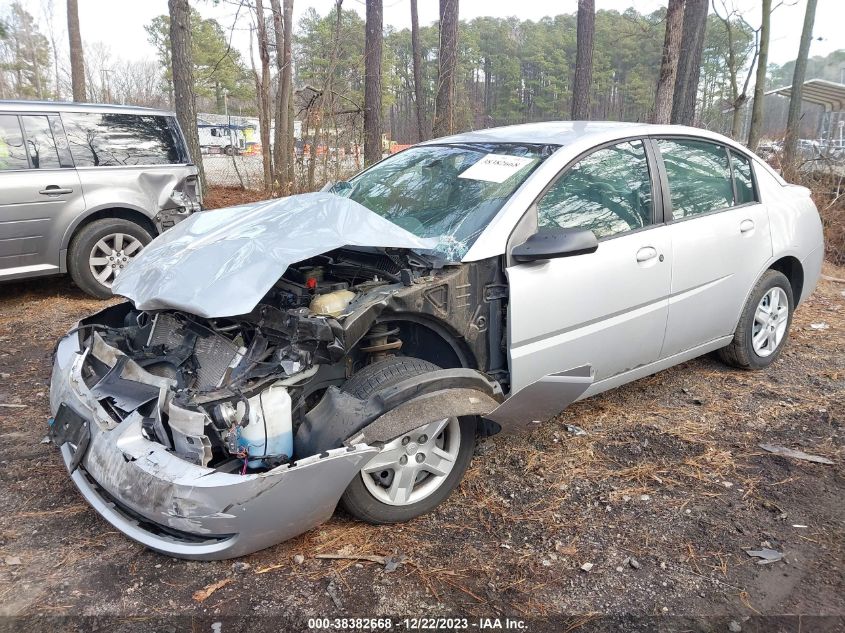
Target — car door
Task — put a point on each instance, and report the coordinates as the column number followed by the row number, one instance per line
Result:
column 39, row 193
column 720, row 239
column 606, row 309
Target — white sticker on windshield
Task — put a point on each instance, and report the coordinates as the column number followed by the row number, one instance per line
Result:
column 496, row 167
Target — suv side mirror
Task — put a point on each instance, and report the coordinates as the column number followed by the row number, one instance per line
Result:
column 556, row 243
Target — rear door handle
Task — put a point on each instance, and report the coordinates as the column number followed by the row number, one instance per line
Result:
column 646, row 253
column 746, row 225
column 54, row 190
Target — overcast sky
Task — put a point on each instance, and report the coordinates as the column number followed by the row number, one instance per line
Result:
column 120, row 23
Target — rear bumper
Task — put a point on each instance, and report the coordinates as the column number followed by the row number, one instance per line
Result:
column 182, row 509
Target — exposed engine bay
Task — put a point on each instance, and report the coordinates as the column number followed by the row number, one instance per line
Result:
column 238, row 388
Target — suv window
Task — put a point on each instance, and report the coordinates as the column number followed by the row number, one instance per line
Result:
column 699, row 176
column 742, row 178
column 111, row 139
column 43, row 153
column 608, row 192
column 12, row 154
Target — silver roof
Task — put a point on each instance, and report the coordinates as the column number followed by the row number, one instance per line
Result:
column 62, row 106
column 546, row 132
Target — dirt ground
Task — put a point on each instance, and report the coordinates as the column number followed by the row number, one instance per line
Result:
column 662, row 495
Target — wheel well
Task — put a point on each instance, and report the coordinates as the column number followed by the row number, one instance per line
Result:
column 124, row 214
column 793, row 271
column 432, row 342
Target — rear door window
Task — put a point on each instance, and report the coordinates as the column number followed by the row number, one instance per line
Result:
column 742, row 178
column 40, row 143
column 115, row 139
column 699, row 176
column 12, row 151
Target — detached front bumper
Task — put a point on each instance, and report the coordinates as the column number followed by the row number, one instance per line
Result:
column 182, row 509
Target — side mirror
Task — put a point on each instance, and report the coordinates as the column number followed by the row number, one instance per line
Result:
column 556, row 243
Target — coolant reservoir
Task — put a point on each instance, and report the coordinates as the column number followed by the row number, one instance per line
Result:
column 269, row 432
column 331, row 303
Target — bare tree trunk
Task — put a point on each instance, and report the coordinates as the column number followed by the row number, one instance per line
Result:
column 280, row 141
column 689, row 62
column 416, row 56
column 669, row 62
column 287, row 98
column 264, row 93
column 584, row 60
column 760, row 81
column 372, row 82
column 444, row 105
column 793, row 132
column 183, row 79
column 77, row 64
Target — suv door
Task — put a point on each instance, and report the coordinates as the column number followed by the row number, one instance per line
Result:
column 720, row 239
column 39, row 193
column 605, row 309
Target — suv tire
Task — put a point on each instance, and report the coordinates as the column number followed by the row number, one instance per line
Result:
column 92, row 247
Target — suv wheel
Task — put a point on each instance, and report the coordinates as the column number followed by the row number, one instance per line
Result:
column 763, row 328
column 416, row 471
column 99, row 252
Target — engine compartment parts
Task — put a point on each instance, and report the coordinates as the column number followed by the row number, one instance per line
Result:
column 331, row 303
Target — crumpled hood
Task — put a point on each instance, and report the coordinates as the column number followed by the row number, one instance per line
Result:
column 221, row 263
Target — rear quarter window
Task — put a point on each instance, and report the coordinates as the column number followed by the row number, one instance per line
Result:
column 116, row 139
column 12, row 150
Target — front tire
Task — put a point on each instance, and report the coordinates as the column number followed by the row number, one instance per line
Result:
column 415, row 472
column 763, row 328
column 99, row 252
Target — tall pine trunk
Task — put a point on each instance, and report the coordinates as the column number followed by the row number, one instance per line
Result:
column 793, row 121
column 183, row 79
column 669, row 62
column 287, row 95
column 584, row 60
column 416, row 55
column 264, row 119
column 77, row 64
column 760, row 80
column 689, row 62
column 444, row 105
column 372, row 82
column 281, row 143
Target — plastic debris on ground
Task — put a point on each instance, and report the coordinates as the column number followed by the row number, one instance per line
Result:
column 765, row 555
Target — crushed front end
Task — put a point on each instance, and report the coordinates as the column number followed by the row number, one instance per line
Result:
column 184, row 432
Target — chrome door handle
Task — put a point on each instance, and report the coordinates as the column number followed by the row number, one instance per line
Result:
column 646, row 253
column 54, row 190
column 746, row 225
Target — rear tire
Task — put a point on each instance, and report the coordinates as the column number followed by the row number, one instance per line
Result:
column 93, row 261
column 763, row 327
column 451, row 446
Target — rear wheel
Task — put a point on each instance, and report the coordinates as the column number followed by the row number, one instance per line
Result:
column 763, row 328
column 100, row 251
column 415, row 472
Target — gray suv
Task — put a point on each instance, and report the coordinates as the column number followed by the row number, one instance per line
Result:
column 83, row 188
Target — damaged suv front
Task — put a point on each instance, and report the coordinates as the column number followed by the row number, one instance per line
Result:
column 213, row 414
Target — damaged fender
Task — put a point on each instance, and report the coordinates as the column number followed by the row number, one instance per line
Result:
column 342, row 418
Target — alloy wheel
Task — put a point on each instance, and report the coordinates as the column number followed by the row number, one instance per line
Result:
column 111, row 254
column 414, row 465
column 770, row 321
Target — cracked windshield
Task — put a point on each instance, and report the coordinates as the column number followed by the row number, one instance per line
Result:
column 450, row 192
